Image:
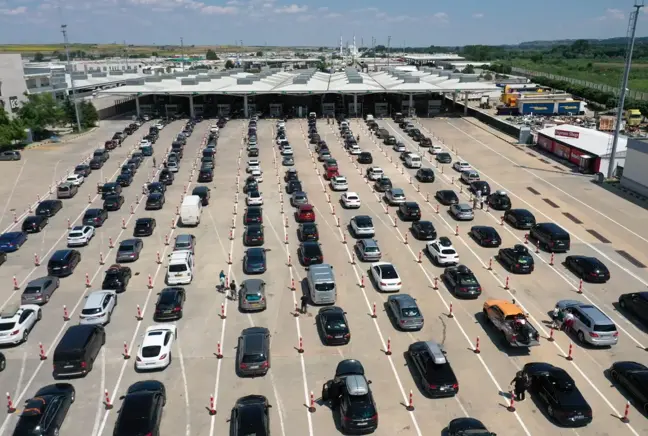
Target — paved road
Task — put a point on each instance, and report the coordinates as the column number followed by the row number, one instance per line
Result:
column 196, row 374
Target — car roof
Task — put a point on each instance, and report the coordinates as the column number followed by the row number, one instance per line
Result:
column 255, row 251
column 184, row 237
column 356, row 385
column 253, row 285
column 132, row 241
column 144, row 221
column 96, row 298
column 39, row 281
column 397, row 191
column 369, row 242
column 553, row 228
column 405, row 300
column 61, row 254
column 349, row 366
column 508, row 308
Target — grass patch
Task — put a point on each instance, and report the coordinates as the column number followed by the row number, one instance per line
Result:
column 118, row 49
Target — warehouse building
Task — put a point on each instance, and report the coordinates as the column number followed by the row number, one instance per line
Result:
column 635, row 170
column 588, row 149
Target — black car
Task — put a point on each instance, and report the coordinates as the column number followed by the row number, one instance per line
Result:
column 45, row 412
column 446, row 197
column 155, row 201
column 333, row 326
column 590, row 269
column 293, row 186
column 253, row 152
column 129, row 168
column 468, row 427
column 253, row 215
column 250, row 185
column 169, row 304
column 462, row 282
column 553, row 388
column 307, row 232
column 425, row 175
column 424, row 141
column 635, row 303
column 96, row 163
column 633, row 378
column 480, row 186
column 83, row 170
column 156, row 187
column 206, row 175
column 519, row 218
column 3, row 362
column 409, row 211
column 291, row 175
column 424, row 230
column 253, row 235
column 517, row 259
column 117, row 278
column 141, row 409
column 48, row 208
column 499, row 200
column 110, row 189
column 430, row 364
column 204, row 193
column 250, row 416
column 486, row 236
column 144, row 227
column 166, row 177
column 95, row 217
column 550, row 237
column 310, row 253
column 63, row 262
column 113, row 202
column 444, row 158
column 124, row 179
column 365, row 158
column 383, row 184
column 34, row 224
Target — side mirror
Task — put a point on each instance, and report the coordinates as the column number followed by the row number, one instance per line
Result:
column 369, row 382
column 270, row 405
column 122, row 397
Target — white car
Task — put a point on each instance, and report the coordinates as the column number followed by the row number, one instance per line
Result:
column 375, row 173
column 257, row 174
column 173, row 166
column 145, row 143
column 98, row 307
column 386, row 277
column 160, row 125
column 339, row 183
column 355, row 149
column 155, row 351
column 436, row 149
column 282, row 141
column 287, row 151
column 75, row 179
column 17, row 322
column 350, row 200
column 146, row 118
column 469, row 176
column 80, row 235
column 362, row 226
column 461, row 165
column 442, row 252
column 253, row 165
column 254, row 198
column 214, row 129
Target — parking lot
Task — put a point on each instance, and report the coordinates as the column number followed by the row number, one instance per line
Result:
column 211, row 320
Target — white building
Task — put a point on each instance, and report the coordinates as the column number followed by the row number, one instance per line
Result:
column 635, row 170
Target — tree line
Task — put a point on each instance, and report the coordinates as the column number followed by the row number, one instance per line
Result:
column 40, row 113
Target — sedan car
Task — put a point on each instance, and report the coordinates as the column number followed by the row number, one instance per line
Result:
column 250, row 416
column 350, row 200
column 461, row 281
column 141, row 409
column 117, row 278
column 386, row 277
column 588, row 268
column 633, row 378
column 98, row 308
column 293, row 186
column 305, row 214
column 461, row 166
column 298, row 199
column 185, row 241
column 480, row 187
column 156, row 187
column 144, row 227
column 113, row 202
column 166, row 177
column 17, row 322
column 394, row 196
column 83, row 170
column 554, row 389
column 155, row 350
column 423, row 230
column 446, row 197
column 339, row 183
column 12, row 241
column 520, row 218
column 409, row 211
column 124, row 179
column 383, row 184
column 368, row 250
column 252, row 295
column 307, row 232
column 40, row 290
column 80, row 236
column 444, row 158
column 48, row 208
column 34, row 223
column 155, row 201
column 129, row 250
column 499, row 200
column 467, row 427
column 425, row 175
column 253, row 352
column 169, row 305
column 254, row 198
column 333, row 326
column 462, row 212
column 635, row 303
column 365, row 158
column 486, row 236
column 253, row 235
column 375, row 173
column 405, row 312
column 310, row 253
column 254, row 261
column 45, row 413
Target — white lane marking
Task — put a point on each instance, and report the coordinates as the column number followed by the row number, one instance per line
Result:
column 11, row 194
column 369, row 307
column 582, row 203
column 102, row 387
column 186, row 389
column 22, row 372
column 539, row 326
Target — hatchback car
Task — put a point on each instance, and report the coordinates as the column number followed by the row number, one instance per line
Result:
column 129, row 250
column 305, row 214
column 206, row 175
column 40, row 290
column 254, row 198
column 98, row 308
column 63, row 263
column 113, row 202
column 253, row 235
column 185, row 242
column 588, row 268
column 425, row 175
column 252, row 295
column 288, row 161
column 45, row 413
column 124, row 179
column 144, row 227
column 169, row 305
column 48, row 208
column 292, row 186
column 166, row 177
column 253, row 215
column 310, row 253
column 395, row 196
column 254, row 261
column 253, row 352
column 461, row 281
column 446, row 197
column 307, row 232
column 298, row 199
column 204, row 193
column 95, row 217
column 34, row 224
column 365, row 158
column 480, row 187
column 156, row 187
column 462, row 212
column 405, row 312
column 117, row 278
column 409, row 211
column 444, row 158
column 333, row 326
column 486, row 236
column 155, row 201
column 250, row 416
column 386, row 277
column 423, row 230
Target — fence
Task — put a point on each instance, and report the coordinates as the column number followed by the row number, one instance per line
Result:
column 636, row 95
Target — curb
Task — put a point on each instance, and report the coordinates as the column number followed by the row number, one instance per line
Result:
column 65, row 139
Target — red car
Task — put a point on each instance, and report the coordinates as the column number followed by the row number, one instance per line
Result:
column 305, row 214
column 331, row 172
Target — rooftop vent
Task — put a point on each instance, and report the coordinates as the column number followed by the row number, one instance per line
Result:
column 116, row 73
column 149, row 79
column 299, row 80
column 445, row 73
column 468, row 78
column 203, row 78
column 181, row 74
column 79, row 76
column 411, row 79
column 98, row 74
column 135, row 82
column 354, row 79
column 188, row 81
column 243, row 81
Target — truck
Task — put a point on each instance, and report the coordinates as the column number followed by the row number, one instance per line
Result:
column 633, row 117
column 512, row 323
column 191, row 210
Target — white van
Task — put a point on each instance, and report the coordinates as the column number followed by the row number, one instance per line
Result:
column 344, row 124
column 321, row 284
column 413, row 160
column 191, row 210
column 180, row 268
column 369, row 117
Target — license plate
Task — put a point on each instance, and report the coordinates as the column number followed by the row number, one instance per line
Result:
column 338, row 336
column 178, row 275
column 254, row 367
column 68, row 366
column 4, row 334
column 362, row 423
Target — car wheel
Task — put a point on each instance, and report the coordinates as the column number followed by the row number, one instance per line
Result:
column 614, row 375
column 39, row 316
column 72, row 397
column 25, row 336
column 56, row 432
column 550, row 411
column 622, row 304
column 581, row 337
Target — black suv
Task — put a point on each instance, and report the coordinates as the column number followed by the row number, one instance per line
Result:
column 409, row 211
column 95, row 217
column 429, row 362
column 63, row 262
column 551, row 237
column 113, row 202
column 424, row 230
column 141, row 409
column 206, row 175
column 117, row 278
column 425, row 175
column 166, row 177
column 517, row 259
column 144, row 227
column 365, row 158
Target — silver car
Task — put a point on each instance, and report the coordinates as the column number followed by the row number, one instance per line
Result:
column 39, row 291
column 405, row 312
column 591, row 325
column 98, row 307
column 298, row 198
column 129, row 250
column 368, row 250
column 395, row 196
column 252, row 295
column 462, row 212
column 185, row 242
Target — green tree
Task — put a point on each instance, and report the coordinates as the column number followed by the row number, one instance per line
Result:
column 229, row 64
column 41, row 111
column 211, row 55
column 468, row 70
column 10, row 129
column 488, row 76
column 88, row 114
column 38, row 57
column 259, row 54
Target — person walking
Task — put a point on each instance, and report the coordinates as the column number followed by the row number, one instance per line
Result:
column 520, row 384
column 304, row 304
column 154, row 162
column 569, row 320
column 221, row 276
column 233, row 290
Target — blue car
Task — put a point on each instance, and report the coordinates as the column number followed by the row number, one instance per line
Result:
column 254, row 261
column 12, row 241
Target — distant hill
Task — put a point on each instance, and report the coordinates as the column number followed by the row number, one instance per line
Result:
column 607, row 41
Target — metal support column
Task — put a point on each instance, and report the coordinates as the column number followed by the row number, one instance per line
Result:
column 466, row 105
column 454, row 100
column 245, row 106
column 411, row 105
column 192, row 112
column 355, row 105
column 137, row 106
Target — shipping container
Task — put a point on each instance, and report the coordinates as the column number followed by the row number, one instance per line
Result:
column 537, row 108
column 570, row 107
column 606, row 123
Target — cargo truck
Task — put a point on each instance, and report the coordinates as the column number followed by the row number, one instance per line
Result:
column 633, row 117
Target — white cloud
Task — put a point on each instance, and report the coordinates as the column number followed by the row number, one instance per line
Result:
column 616, row 14
column 478, row 15
column 233, row 3
column 441, row 16
column 322, row 9
column 292, row 9
column 219, row 10
column 15, row 11
column 333, row 15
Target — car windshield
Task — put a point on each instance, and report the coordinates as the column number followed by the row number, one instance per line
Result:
column 151, row 350
column 323, row 287
column 311, row 250
column 448, row 251
column 32, row 290
column 75, row 234
column 91, row 311
column 388, row 272
column 127, row 248
column 364, row 222
column 253, row 358
column 466, row 279
column 336, row 323
column 524, row 260
column 410, row 312
column 370, row 249
column 255, row 256
column 361, row 407
column 177, row 268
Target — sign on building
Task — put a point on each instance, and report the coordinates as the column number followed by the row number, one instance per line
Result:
column 14, row 104
column 567, row 134
column 381, row 109
column 276, row 110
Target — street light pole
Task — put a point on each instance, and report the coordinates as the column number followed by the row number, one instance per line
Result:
column 388, row 50
column 69, row 67
column 182, row 51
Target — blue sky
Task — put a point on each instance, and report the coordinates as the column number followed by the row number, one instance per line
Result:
column 311, row 22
